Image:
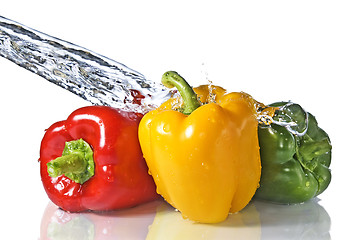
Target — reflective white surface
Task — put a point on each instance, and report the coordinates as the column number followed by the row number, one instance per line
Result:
column 158, row 220
column 304, row 51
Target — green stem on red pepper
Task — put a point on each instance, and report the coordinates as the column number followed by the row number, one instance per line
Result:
column 76, row 162
column 172, row 79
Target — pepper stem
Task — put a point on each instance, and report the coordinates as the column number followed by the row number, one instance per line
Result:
column 76, row 162
column 311, row 150
column 172, row 79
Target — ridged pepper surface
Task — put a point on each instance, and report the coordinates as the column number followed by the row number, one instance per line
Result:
column 204, row 158
column 93, row 161
column 295, row 156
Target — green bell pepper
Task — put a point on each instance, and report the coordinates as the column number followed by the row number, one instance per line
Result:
column 295, row 156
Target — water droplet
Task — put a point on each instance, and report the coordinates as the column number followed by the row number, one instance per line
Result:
column 166, row 128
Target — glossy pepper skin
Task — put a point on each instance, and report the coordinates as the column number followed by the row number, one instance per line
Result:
column 120, row 175
column 205, row 161
column 295, row 160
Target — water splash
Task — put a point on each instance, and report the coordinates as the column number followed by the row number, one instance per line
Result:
column 291, row 125
column 96, row 78
column 280, row 116
column 93, row 77
column 211, row 87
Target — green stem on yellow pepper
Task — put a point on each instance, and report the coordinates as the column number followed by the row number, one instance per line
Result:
column 172, row 79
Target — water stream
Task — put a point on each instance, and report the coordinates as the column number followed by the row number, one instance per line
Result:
column 93, row 77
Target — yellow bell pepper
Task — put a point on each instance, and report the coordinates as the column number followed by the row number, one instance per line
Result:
column 204, row 156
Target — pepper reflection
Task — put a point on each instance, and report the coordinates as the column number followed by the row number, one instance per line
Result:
column 299, row 221
column 169, row 224
column 158, row 220
column 129, row 223
column 259, row 220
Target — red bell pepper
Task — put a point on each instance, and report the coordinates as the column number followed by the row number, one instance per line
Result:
column 93, row 161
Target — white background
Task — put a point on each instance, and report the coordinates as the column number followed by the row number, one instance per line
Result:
column 304, row 51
